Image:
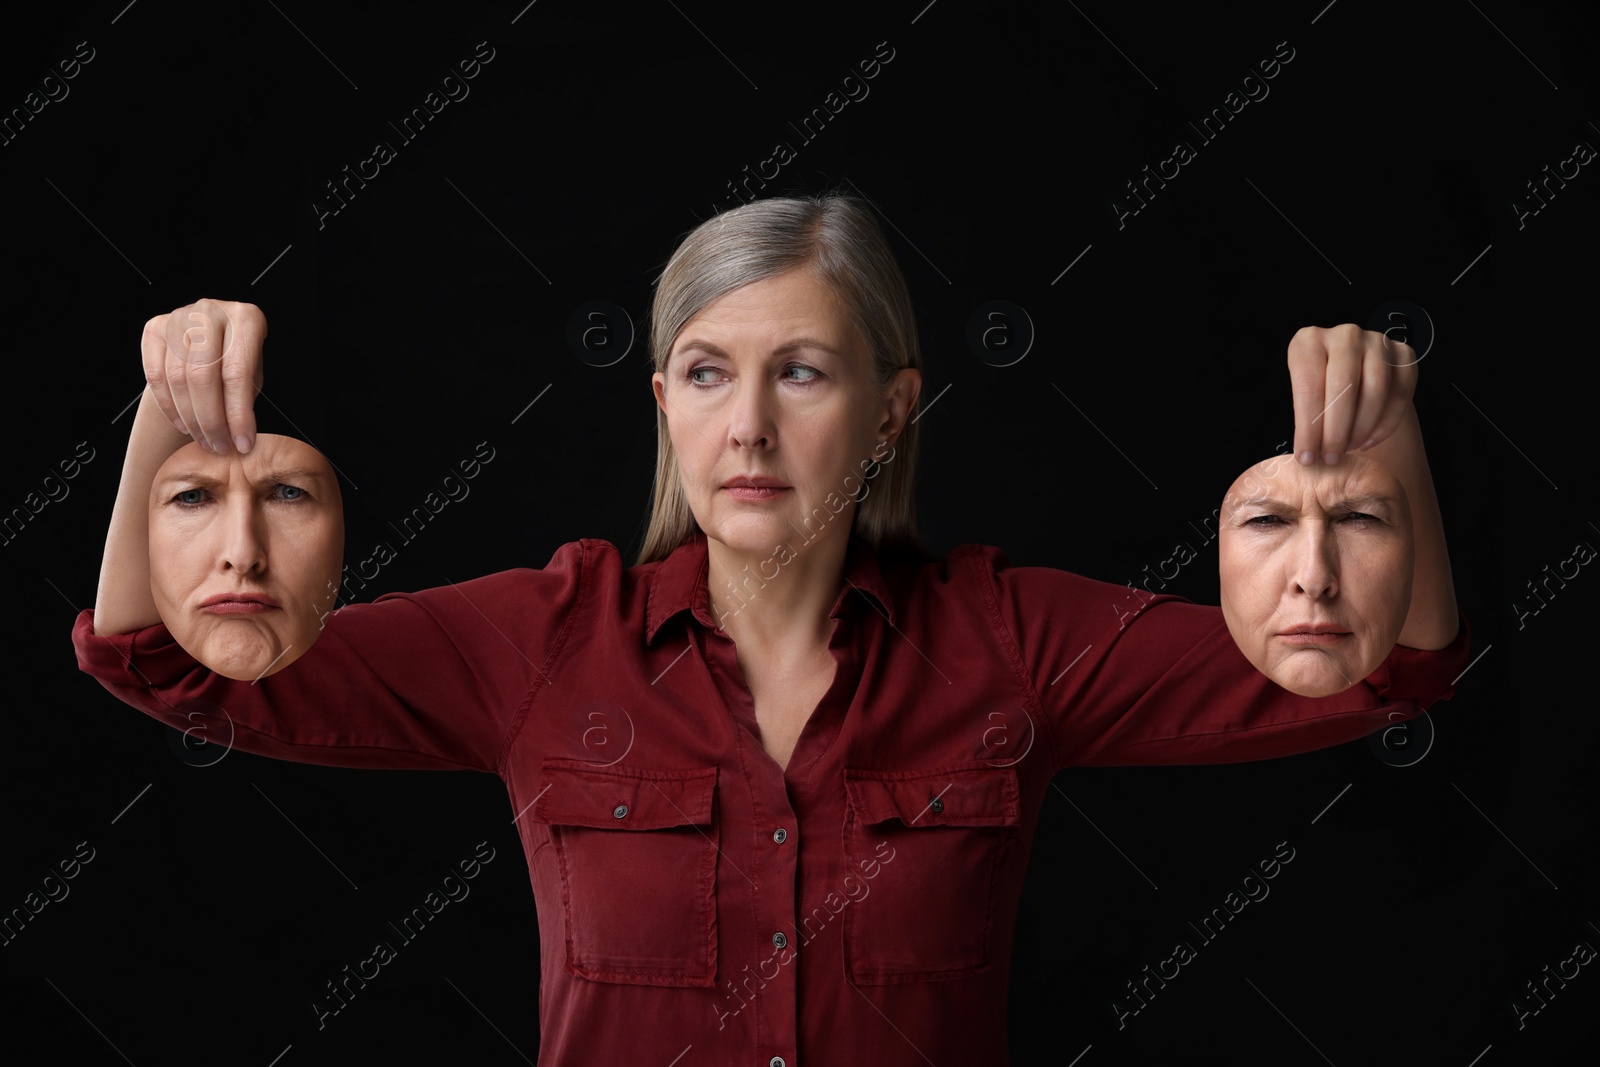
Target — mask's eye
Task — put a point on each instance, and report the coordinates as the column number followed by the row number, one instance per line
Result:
column 1359, row 518
column 190, row 498
column 1264, row 520
column 290, row 494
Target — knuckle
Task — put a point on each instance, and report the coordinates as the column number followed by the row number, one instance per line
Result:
column 1307, row 345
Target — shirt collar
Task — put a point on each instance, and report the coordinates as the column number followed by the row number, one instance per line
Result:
column 680, row 584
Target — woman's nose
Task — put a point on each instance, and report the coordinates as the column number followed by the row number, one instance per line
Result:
column 1316, row 572
column 244, row 545
column 750, row 421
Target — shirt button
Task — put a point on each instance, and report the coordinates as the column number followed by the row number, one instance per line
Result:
column 620, row 810
column 776, row 1061
column 780, row 835
column 936, row 804
column 778, row 940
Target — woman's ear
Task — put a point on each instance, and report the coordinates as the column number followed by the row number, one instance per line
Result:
column 900, row 396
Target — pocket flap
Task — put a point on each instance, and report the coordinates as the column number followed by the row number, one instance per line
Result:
column 958, row 796
column 576, row 793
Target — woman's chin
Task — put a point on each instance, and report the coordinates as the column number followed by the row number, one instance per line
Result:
column 242, row 657
column 755, row 533
column 1313, row 673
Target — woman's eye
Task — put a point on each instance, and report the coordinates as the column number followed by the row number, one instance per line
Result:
column 806, row 376
column 190, row 498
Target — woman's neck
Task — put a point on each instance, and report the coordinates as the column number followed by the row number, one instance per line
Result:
column 777, row 601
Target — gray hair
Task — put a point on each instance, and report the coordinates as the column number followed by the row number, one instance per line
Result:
column 837, row 238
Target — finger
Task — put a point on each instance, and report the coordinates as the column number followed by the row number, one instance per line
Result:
column 1308, row 361
column 242, row 373
column 176, row 376
column 1405, row 374
column 1399, row 353
column 1377, row 389
column 194, row 331
column 153, row 356
column 1393, row 413
column 1402, row 387
column 196, row 340
column 205, row 398
column 1346, row 350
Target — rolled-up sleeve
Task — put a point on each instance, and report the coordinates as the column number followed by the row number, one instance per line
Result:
column 1127, row 677
column 433, row 679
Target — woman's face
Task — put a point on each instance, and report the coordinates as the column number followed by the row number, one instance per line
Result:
column 1316, row 570
column 772, row 382
column 246, row 552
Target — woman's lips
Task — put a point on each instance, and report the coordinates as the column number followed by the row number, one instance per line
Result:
column 1315, row 638
column 753, row 492
column 244, row 605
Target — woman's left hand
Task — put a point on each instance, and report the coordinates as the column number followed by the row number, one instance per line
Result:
column 1352, row 388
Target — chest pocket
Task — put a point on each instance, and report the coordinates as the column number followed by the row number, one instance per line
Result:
column 931, row 844
column 637, row 851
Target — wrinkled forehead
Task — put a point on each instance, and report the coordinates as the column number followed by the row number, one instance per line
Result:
column 787, row 310
column 1318, row 486
column 273, row 454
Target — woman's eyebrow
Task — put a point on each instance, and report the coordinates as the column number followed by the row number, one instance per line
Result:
column 800, row 343
column 795, row 345
column 696, row 345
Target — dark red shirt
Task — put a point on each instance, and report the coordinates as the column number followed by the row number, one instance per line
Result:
column 857, row 907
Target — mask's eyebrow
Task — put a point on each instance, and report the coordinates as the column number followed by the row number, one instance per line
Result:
column 1368, row 502
column 291, row 475
column 191, row 478
column 1364, row 502
column 1269, row 505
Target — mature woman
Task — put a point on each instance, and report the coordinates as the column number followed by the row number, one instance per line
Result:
column 778, row 780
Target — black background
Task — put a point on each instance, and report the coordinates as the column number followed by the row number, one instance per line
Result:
column 428, row 313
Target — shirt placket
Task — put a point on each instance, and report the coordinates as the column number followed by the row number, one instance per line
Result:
column 764, row 978
column 758, row 975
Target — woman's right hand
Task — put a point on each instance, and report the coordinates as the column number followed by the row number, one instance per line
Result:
column 203, row 364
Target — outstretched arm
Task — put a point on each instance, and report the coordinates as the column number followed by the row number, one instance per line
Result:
column 436, row 678
column 192, row 384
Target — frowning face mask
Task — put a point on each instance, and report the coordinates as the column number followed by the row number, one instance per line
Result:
column 246, row 553
column 1316, row 568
